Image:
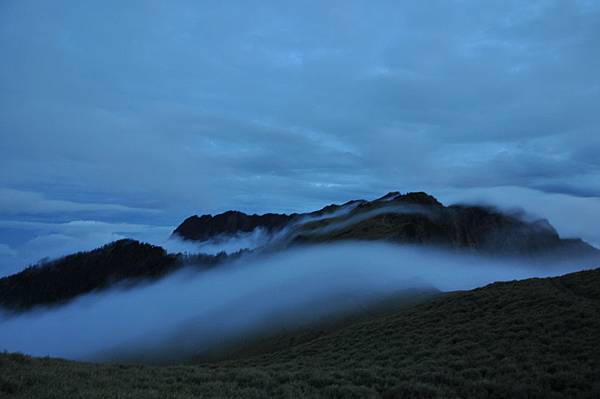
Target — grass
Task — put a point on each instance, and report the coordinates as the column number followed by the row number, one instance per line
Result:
column 537, row 338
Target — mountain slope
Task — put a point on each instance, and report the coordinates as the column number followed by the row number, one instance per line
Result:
column 412, row 218
column 537, row 338
column 65, row 278
column 60, row 280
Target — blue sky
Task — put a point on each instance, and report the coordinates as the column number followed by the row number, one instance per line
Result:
column 122, row 118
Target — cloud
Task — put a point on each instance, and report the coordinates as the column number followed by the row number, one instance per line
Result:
column 355, row 219
column 224, row 243
column 120, row 120
column 572, row 216
column 17, row 202
column 190, row 312
column 6, row 251
column 25, row 242
column 296, row 106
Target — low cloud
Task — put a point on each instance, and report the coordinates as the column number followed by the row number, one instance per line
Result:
column 572, row 216
column 223, row 243
column 402, row 209
column 18, row 202
column 190, row 312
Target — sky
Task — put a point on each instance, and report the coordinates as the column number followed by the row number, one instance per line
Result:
column 120, row 119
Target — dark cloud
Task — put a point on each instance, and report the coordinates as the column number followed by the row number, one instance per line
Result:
column 186, row 107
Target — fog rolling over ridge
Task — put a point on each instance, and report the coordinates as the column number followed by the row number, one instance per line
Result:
column 399, row 209
column 256, row 238
column 131, row 301
column 300, row 200
column 224, row 243
column 188, row 312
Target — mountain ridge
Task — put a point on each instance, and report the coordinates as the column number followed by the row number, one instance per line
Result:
column 201, row 228
column 413, row 218
column 125, row 262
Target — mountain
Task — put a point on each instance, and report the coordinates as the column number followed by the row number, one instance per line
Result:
column 536, row 338
column 412, row 218
column 207, row 226
column 60, row 280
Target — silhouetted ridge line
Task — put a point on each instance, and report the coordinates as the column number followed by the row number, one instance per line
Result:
column 412, row 218
column 201, row 228
column 60, row 280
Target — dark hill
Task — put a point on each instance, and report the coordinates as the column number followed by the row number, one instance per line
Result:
column 60, row 280
column 537, row 338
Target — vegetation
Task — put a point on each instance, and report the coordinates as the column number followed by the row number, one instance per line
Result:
column 412, row 218
column 537, row 338
column 57, row 281
column 418, row 218
column 415, row 218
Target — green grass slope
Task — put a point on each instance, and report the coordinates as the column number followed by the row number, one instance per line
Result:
column 538, row 338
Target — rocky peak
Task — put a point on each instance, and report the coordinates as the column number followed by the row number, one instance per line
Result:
column 411, row 218
column 418, row 198
column 202, row 228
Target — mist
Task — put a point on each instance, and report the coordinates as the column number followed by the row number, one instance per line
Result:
column 257, row 238
column 190, row 312
column 402, row 209
column 227, row 243
column 343, row 210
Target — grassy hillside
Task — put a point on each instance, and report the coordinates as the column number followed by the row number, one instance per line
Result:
column 538, row 338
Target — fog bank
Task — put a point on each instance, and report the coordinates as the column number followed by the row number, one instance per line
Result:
column 238, row 299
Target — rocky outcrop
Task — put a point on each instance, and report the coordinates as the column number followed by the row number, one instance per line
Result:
column 418, row 218
column 202, row 228
column 412, row 218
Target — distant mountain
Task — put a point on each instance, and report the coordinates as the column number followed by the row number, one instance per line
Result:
column 413, row 218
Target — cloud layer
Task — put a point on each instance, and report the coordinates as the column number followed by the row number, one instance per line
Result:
column 190, row 312
column 147, row 112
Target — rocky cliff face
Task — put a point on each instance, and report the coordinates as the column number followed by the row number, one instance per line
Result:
column 413, row 218
column 205, row 227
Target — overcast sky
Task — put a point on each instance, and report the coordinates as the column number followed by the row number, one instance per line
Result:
column 122, row 118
